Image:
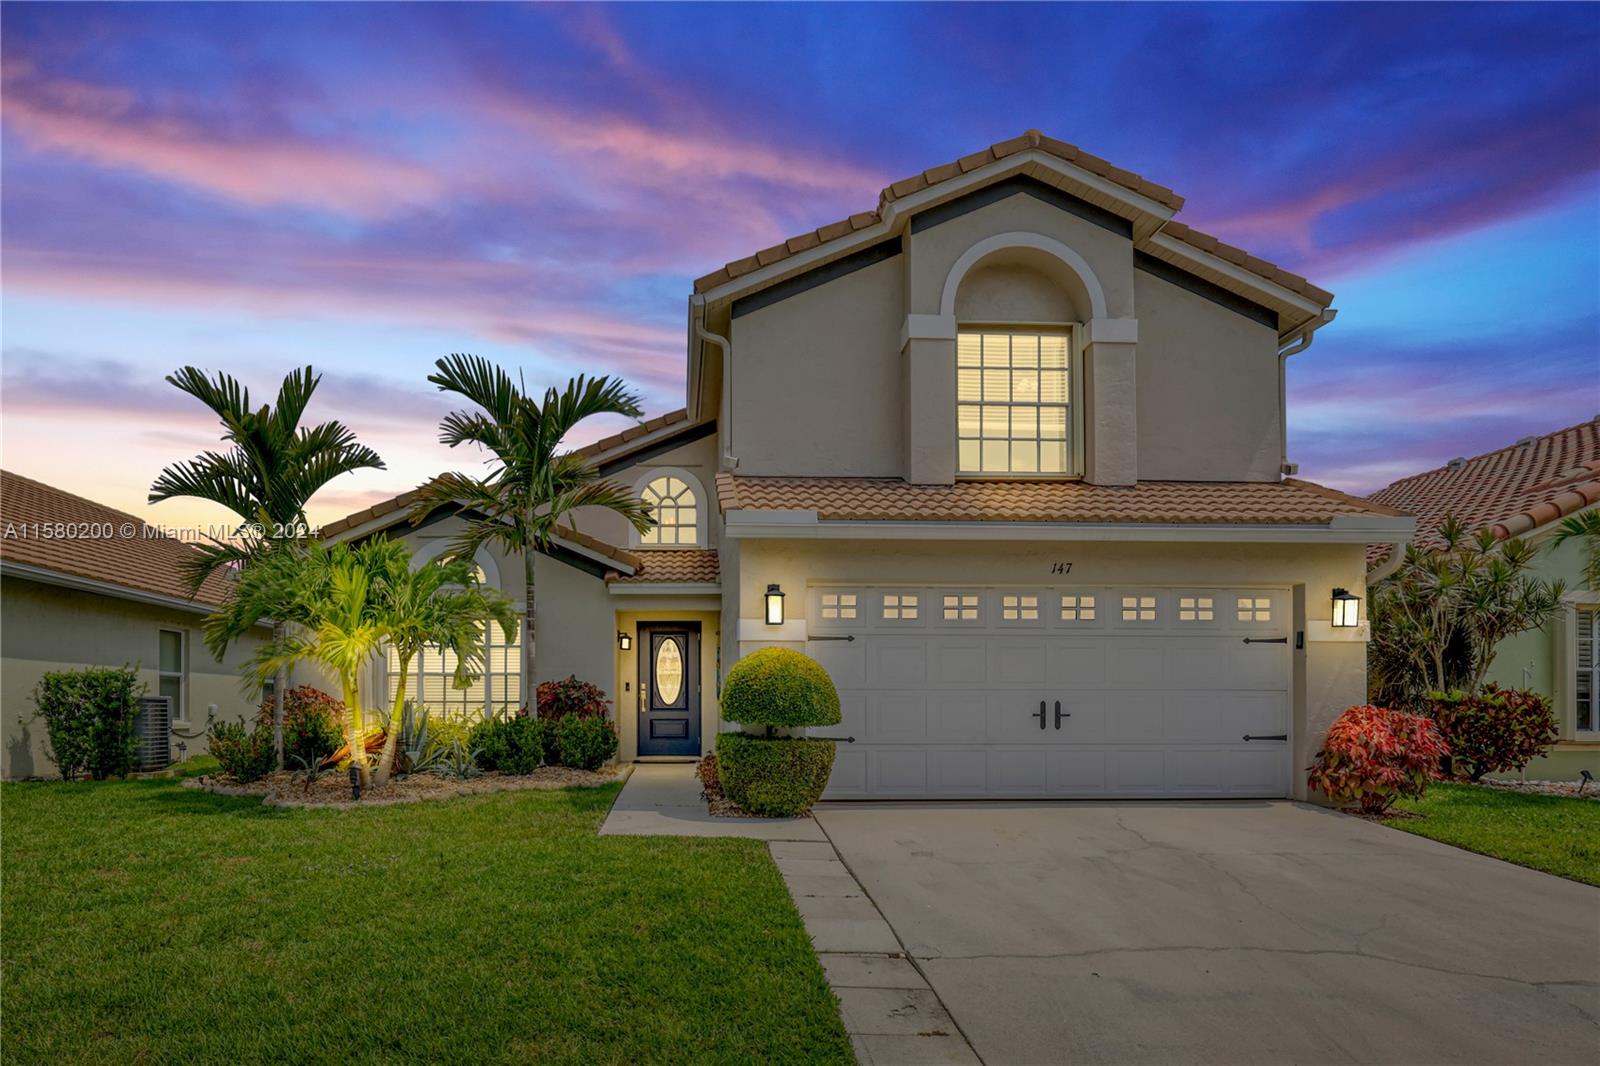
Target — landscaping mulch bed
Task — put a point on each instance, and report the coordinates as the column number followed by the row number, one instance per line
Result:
column 284, row 789
column 1544, row 788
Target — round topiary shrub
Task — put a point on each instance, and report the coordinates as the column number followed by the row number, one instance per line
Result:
column 780, row 776
column 779, row 687
column 776, row 776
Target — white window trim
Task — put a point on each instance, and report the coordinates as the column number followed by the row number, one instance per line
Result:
column 180, row 713
column 1565, row 668
column 1075, row 399
column 701, row 508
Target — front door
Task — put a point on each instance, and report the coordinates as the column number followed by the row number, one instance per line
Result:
column 669, row 688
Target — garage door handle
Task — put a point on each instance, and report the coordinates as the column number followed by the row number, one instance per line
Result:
column 1266, row 640
column 1060, row 714
column 1040, row 715
column 1274, row 736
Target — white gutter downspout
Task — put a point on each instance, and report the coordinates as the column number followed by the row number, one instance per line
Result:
column 1301, row 341
column 697, row 316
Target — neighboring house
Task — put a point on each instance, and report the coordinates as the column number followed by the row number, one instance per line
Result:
column 1010, row 447
column 82, row 585
column 1525, row 490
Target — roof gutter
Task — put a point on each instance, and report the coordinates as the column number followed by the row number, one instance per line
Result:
column 697, row 315
column 1296, row 341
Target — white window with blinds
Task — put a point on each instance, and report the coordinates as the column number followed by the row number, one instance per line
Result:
column 431, row 681
column 1013, row 403
column 1587, row 682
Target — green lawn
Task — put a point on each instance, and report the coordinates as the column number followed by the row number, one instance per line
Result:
column 144, row 922
column 1556, row 834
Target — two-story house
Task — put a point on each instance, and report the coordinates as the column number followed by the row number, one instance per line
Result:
column 1007, row 456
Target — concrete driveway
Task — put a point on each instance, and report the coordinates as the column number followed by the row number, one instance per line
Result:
column 1227, row 933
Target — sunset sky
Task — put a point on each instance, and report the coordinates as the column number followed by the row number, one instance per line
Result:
column 368, row 187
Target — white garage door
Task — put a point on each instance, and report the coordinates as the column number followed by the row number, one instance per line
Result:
column 1071, row 692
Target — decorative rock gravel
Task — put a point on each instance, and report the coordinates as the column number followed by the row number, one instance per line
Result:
column 1546, row 788
column 283, row 789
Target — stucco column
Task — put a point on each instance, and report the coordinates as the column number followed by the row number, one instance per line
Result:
column 929, row 369
column 1110, row 386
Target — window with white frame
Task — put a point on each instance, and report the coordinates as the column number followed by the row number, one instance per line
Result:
column 1013, row 403
column 172, row 672
column 899, row 606
column 673, row 504
column 1587, row 686
column 1077, row 607
column 1138, row 608
column 430, row 683
column 1196, row 609
column 1255, row 608
column 961, row 607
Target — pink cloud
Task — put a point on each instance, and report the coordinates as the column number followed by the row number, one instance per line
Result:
column 107, row 126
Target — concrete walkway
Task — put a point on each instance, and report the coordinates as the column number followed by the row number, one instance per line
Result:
column 663, row 800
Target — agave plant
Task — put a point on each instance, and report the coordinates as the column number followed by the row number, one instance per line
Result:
column 310, row 770
column 455, row 761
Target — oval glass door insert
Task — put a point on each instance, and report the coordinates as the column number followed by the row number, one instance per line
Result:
column 669, row 671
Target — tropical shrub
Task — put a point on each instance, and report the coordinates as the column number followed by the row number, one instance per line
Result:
column 89, row 718
column 513, row 745
column 558, row 699
column 1437, row 619
column 311, row 729
column 779, row 687
column 245, row 754
column 1373, row 756
column 584, row 743
column 777, row 776
column 1496, row 730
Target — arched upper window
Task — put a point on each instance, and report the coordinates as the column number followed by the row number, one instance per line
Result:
column 673, row 498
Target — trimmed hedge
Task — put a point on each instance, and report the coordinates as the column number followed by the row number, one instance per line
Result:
column 778, row 776
column 584, row 743
column 512, row 745
column 89, row 717
column 779, row 687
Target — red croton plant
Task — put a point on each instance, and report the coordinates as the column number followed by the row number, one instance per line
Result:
column 1498, row 729
column 558, row 699
column 1372, row 756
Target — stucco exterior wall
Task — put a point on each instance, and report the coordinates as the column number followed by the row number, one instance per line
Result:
column 44, row 628
column 1208, row 389
column 1543, row 660
column 1329, row 676
column 935, row 250
column 816, row 379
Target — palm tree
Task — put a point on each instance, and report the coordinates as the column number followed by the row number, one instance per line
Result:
column 438, row 604
column 273, row 467
column 346, row 605
column 1587, row 527
column 532, row 486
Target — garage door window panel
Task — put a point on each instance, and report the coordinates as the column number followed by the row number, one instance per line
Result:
column 1022, row 610
column 963, row 609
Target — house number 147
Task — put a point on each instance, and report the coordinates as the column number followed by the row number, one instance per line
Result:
column 1061, row 568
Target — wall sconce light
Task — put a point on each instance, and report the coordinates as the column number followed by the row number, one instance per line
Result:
column 1346, row 609
column 624, row 641
column 774, row 605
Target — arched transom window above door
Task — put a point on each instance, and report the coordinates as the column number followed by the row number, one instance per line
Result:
column 677, row 504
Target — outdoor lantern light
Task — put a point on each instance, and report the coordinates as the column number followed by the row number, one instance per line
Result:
column 1346, row 609
column 623, row 640
column 774, row 605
